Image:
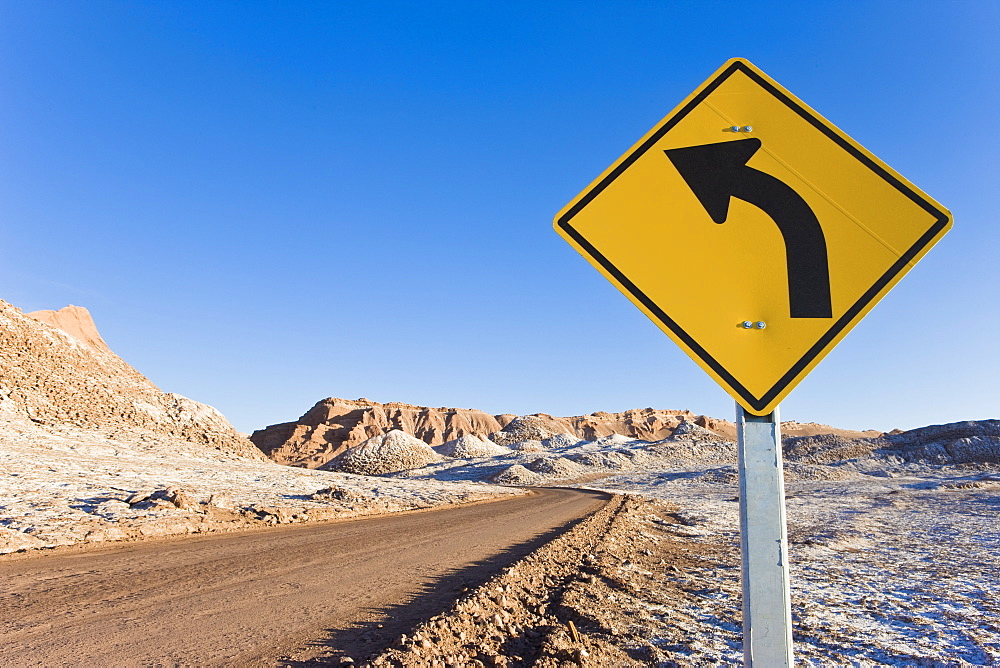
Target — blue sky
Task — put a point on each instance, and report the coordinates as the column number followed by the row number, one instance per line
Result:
column 266, row 203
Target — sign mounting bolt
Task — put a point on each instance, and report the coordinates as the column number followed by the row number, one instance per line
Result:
column 747, row 128
column 747, row 324
column 761, row 324
column 735, row 128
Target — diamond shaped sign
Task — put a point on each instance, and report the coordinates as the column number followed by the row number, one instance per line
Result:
column 752, row 231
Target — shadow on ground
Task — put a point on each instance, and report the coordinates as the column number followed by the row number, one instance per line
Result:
column 364, row 640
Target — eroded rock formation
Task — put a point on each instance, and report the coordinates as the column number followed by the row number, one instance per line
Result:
column 58, row 370
column 75, row 321
column 334, row 425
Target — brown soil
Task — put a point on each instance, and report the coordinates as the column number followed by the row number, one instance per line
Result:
column 248, row 599
column 611, row 592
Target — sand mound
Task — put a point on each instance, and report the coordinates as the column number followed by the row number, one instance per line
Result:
column 561, row 441
column 470, row 447
column 394, row 451
column 555, row 466
column 688, row 430
column 527, row 446
column 613, row 440
column 527, row 428
column 515, row 475
column 605, row 460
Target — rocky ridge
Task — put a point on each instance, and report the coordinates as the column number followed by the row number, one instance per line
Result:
column 57, row 377
column 698, row 454
column 333, row 425
column 956, row 443
column 75, row 321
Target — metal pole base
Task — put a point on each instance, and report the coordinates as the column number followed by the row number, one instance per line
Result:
column 767, row 610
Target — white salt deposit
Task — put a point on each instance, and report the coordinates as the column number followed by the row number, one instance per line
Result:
column 561, row 441
column 471, row 446
column 895, row 544
column 531, row 445
column 64, row 485
column 388, row 453
column 896, row 571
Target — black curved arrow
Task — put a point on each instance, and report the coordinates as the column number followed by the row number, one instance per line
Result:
column 716, row 172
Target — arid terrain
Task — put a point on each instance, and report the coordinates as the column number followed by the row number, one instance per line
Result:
column 333, row 426
column 316, row 584
column 892, row 543
column 894, row 537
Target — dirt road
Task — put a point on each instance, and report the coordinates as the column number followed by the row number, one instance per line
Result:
column 290, row 594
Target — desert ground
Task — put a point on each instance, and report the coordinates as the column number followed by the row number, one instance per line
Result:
column 892, row 544
column 893, row 557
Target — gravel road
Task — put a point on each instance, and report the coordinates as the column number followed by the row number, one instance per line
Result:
column 286, row 595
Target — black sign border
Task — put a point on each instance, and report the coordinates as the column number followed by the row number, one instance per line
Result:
column 757, row 403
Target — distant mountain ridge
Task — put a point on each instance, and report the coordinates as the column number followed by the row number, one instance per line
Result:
column 334, row 425
column 56, row 369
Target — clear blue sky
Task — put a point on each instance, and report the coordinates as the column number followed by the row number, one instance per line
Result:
column 267, row 203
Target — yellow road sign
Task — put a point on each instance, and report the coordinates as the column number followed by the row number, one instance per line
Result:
column 752, row 231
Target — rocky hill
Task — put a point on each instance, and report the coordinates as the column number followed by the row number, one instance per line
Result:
column 75, row 321
column 334, row 425
column 972, row 442
column 57, row 370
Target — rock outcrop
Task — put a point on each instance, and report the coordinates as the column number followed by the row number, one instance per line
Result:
column 647, row 424
column 971, row 442
column 333, row 425
column 75, row 321
column 56, row 376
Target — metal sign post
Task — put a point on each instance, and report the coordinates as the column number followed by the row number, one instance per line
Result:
column 767, row 609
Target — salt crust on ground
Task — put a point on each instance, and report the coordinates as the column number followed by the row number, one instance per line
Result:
column 894, row 558
column 897, row 570
column 66, row 485
column 893, row 562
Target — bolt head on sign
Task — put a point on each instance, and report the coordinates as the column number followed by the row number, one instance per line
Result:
column 744, row 205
